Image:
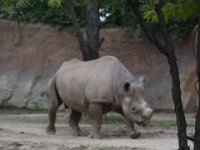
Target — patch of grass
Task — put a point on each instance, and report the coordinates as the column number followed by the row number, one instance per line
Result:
column 117, row 148
column 169, row 124
column 23, row 110
column 35, row 106
column 110, row 118
column 163, row 111
column 106, row 148
column 113, row 118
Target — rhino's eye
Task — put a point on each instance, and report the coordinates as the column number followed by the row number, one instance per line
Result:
column 133, row 109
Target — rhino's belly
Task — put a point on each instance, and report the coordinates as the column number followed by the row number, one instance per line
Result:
column 77, row 107
column 74, row 99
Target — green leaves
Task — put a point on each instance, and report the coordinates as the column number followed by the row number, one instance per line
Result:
column 55, row 3
column 118, row 14
column 181, row 11
column 35, row 11
column 150, row 16
column 22, row 3
column 179, row 14
column 152, row 2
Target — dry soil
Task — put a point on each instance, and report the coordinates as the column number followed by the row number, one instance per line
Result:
column 27, row 132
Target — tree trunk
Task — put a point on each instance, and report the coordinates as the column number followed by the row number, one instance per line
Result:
column 89, row 48
column 77, row 29
column 167, row 49
column 92, row 29
column 197, row 123
column 169, row 52
column 176, row 95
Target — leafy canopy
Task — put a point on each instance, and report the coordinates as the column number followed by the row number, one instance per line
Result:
column 179, row 14
column 181, row 10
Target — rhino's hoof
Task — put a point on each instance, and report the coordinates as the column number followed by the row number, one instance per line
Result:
column 51, row 131
column 135, row 135
column 95, row 136
column 78, row 133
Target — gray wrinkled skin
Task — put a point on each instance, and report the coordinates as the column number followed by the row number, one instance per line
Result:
column 97, row 87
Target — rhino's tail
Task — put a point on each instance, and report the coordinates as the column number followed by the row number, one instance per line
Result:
column 56, row 92
column 51, row 91
column 59, row 99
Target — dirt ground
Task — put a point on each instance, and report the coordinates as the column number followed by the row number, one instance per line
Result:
column 27, row 132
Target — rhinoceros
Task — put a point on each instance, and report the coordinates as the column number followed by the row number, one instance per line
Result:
column 97, row 87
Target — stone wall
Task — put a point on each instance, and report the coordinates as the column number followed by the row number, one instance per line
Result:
column 30, row 54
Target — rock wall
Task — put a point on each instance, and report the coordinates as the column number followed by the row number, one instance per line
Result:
column 30, row 54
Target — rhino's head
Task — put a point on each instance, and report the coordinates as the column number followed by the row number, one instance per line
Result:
column 134, row 107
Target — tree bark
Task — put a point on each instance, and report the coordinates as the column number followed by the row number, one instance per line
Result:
column 176, row 90
column 168, row 50
column 176, row 95
column 92, row 29
column 82, row 43
column 197, row 123
column 89, row 48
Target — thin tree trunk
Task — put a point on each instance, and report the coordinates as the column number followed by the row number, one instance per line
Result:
column 89, row 48
column 176, row 95
column 92, row 29
column 176, row 90
column 168, row 50
column 82, row 43
column 197, row 123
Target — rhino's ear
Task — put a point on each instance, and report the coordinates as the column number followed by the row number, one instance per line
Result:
column 127, row 86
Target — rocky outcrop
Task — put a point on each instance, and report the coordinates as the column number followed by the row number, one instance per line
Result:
column 30, row 54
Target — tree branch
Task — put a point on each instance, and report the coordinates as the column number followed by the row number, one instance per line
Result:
column 152, row 37
column 101, row 42
column 167, row 39
column 176, row 91
column 197, row 123
column 190, row 138
column 92, row 28
column 83, row 45
column 168, row 50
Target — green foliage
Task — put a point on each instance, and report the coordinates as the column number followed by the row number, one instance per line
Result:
column 180, row 15
column 15, row 110
column 22, row 3
column 35, row 11
column 118, row 14
column 182, row 28
column 166, row 124
column 55, row 3
column 180, row 11
column 53, row 12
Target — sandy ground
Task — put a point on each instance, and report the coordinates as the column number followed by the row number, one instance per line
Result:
column 27, row 132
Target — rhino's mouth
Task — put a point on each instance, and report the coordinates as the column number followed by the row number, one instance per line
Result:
column 142, row 123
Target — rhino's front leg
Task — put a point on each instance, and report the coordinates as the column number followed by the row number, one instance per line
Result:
column 96, row 112
column 131, row 130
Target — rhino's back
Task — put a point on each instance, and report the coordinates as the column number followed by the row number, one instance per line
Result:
column 80, row 83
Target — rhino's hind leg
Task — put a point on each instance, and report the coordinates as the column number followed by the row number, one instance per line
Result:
column 133, row 133
column 74, row 123
column 52, row 117
column 96, row 112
